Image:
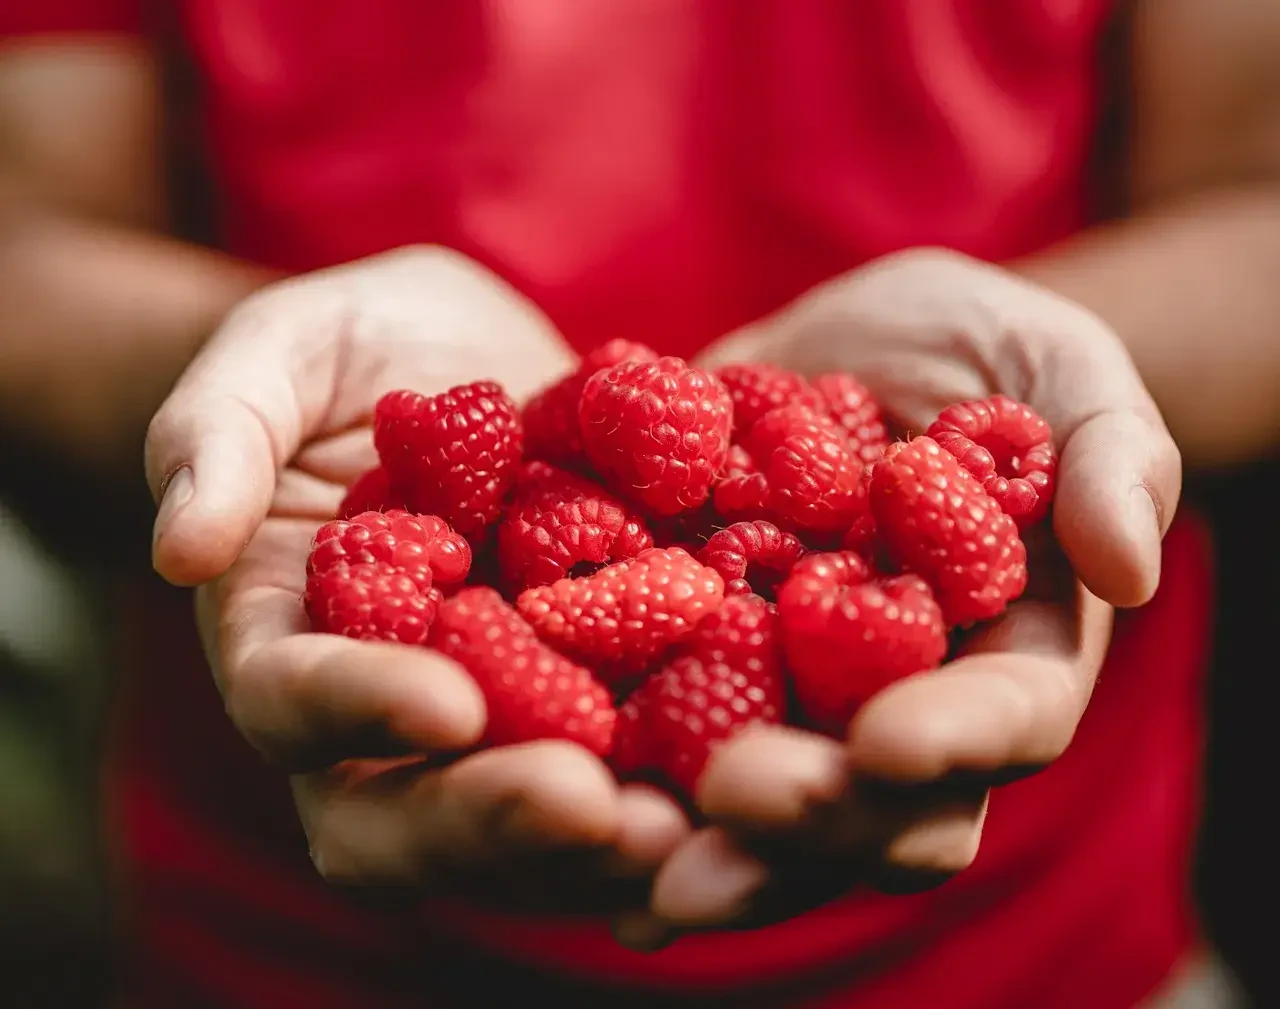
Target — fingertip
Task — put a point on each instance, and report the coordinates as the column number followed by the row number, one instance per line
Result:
column 652, row 825
column 772, row 776
column 441, row 707
column 1113, row 544
column 1118, row 484
column 707, row 881
column 212, row 505
column 557, row 793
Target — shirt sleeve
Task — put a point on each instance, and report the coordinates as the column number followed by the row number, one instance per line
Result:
column 28, row 18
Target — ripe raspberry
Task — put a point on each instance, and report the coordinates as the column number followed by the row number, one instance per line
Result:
column 559, row 522
column 421, row 546
column 751, row 557
column 454, row 455
column 622, row 617
column 551, row 430
column 813, row 477
column 1008, row 447
column 726, row 677
column 758, row 388
column 862, row 537
column 373, row 602
column 938, row 522
column 847, row 637
column 370, row 493
column 530, row 691
column 850, row 404
column 658, row 431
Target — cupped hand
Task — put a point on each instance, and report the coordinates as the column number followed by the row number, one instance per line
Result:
column 798, row 819
column 250, row 453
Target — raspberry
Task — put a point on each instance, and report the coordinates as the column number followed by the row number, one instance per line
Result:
column 551, row 428
column 751, row 556
column 421, row 546
column 375, row 602
column 658, row 431
column 558, row 522
column 862, row 537
column 1008, row 447
column 938, row 522
column 726, row 677
column 758, row 388
column 738, row 460
column 847, row 637
column 454, row 455
column 370, row 493
column 530, row 691
column 813, row 478
column 850, row 404
column 622, row 617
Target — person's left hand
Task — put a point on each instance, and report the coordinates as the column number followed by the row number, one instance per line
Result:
column 798, row 819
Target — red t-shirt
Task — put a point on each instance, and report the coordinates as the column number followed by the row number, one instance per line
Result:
column 664, row 170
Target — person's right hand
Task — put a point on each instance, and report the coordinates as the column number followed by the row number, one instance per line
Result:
column 246, row 458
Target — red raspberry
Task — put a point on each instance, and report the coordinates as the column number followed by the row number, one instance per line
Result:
column 1008, row 447
column 375, row 602
column 530, row 691
column 370, row 493
column 551, row 428
column 726, row 677
column 758, row 388
column 454, row 455
column 622, row 617
column 658, row 431
column 937, row 521
column 850, row 404
column 862, row 537
column 813, row 477
column 847, row 637
column 421, row 546
column 751, row 557
column 558, row 522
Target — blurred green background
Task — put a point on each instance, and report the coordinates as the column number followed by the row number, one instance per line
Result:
column 54, row 934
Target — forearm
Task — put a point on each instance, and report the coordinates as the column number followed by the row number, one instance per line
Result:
column 1194, row 292
column 96, row 323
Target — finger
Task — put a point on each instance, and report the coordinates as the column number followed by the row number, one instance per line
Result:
column 340, row 458
column 1011, row 701
column 306, row 700
column 434, row 827
column 933, row 847
column 1120, row 473
column 708, row 880
column 300, row 495
column 772, row 778
column 651, row 826
column 214, row 448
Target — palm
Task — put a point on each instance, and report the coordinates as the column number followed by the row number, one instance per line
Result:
column 923, row 330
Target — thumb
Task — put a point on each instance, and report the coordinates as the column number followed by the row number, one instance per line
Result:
column 1119, row 472
column 215, row 447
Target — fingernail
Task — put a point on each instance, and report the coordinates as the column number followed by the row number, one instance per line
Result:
column 1144, row 519
column 1145, row 510
column 178, row 493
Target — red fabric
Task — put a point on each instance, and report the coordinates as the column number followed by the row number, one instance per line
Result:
column 24, row 18
column 663, row 170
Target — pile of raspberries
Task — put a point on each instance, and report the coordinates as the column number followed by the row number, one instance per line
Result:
column 651, row 557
